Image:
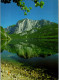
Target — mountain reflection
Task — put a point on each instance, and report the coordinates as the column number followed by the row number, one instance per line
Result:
column 28, row 49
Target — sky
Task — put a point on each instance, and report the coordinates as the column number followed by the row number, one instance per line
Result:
column 11, row 13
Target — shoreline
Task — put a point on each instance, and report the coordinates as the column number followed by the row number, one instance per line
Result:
column 11, row 71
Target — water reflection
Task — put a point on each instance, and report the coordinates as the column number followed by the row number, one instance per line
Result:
column 29, row 50
column 31, row 53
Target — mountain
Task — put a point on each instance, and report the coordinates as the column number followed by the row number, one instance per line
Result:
column 27, row 28
column 26, row 25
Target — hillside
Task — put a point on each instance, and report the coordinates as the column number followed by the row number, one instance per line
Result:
column 47, row 31
column 4, row 35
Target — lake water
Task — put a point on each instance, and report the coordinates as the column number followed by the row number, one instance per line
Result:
column 35, row 53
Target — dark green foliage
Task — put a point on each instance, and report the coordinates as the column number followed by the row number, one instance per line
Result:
column 25, row 13
column 22, row 5
column 13, row 25
column 4, row 35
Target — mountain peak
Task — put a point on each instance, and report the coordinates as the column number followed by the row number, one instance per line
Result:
column 27, row 24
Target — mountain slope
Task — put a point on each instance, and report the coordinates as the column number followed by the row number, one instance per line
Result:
column 48, row 31
column 4, row 35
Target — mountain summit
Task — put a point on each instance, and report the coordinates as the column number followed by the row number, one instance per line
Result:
column 26, row 25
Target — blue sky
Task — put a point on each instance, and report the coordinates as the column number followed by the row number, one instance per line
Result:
column 11, row 13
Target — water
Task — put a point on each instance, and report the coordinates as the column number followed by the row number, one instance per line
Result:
column 34, row 53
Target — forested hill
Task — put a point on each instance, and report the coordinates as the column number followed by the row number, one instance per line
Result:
column 3, row 34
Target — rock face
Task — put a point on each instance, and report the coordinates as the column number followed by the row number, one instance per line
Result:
column 26, row 25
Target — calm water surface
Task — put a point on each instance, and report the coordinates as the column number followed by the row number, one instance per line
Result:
column 33, row 53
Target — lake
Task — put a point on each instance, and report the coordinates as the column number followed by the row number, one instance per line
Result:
column 32, row 54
